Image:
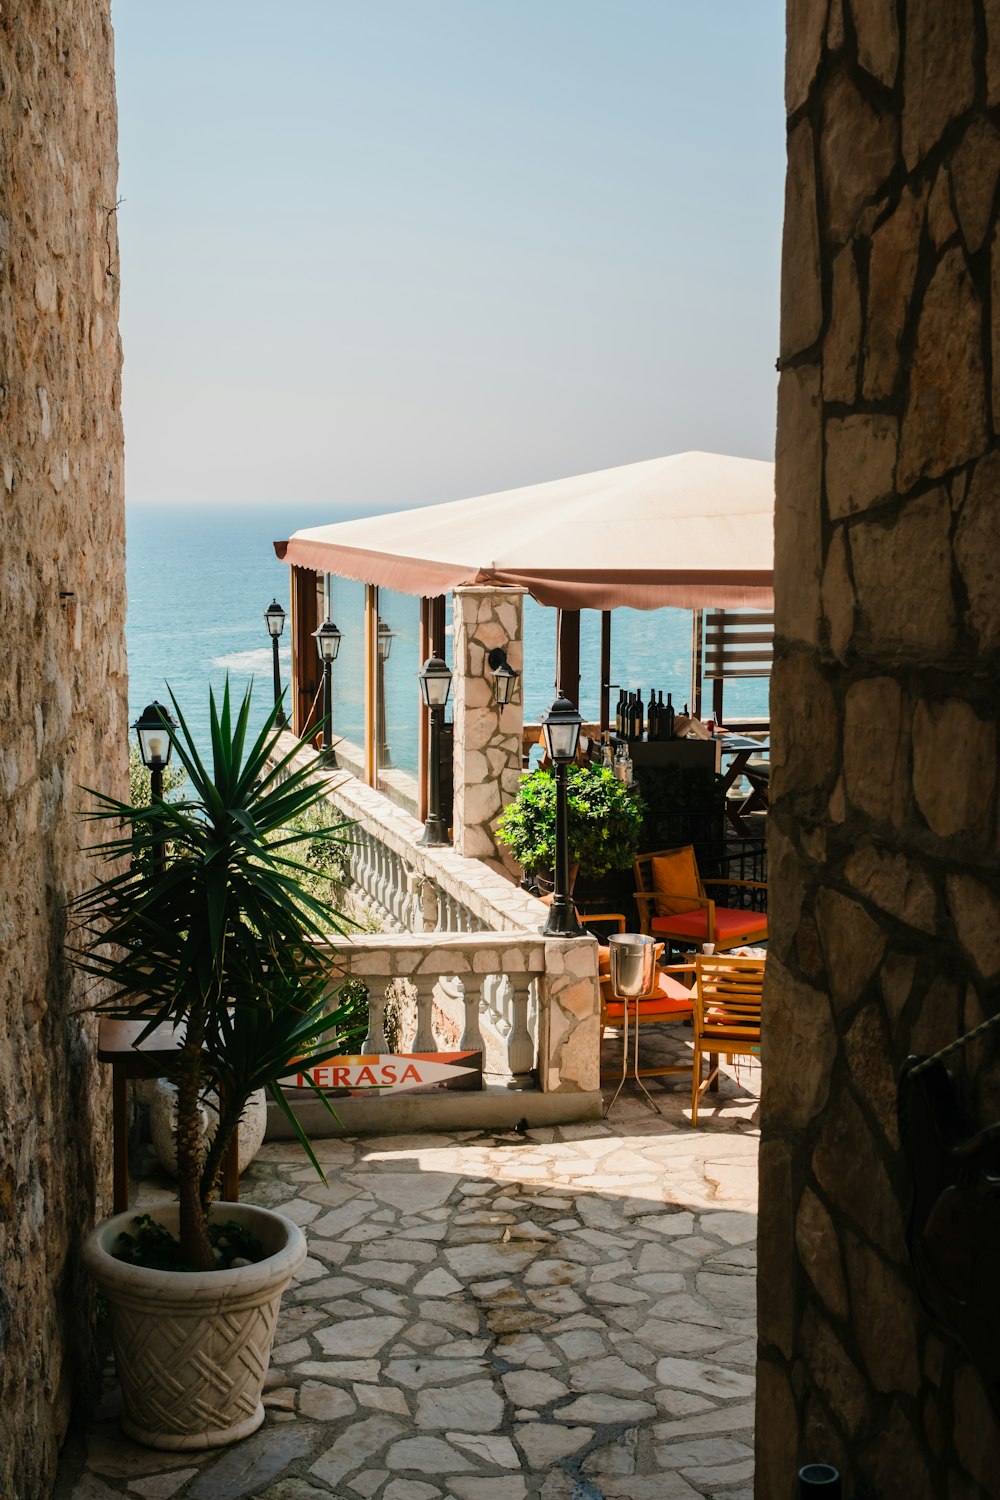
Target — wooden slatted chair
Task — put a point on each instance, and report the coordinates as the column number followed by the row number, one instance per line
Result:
column 673, row 903
column 726, row 1016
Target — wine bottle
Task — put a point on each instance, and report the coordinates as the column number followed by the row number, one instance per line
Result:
column 618, row 710
column 640, row 715
column 669, row 719
column 651, row 713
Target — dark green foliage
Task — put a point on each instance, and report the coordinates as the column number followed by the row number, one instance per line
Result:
column 157, row 1249
column 220, row 939
column 604, row 820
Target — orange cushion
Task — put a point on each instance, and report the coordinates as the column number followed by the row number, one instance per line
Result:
column 675, row 875
column 673, row 1001
column 603, row 960
column 732, row 925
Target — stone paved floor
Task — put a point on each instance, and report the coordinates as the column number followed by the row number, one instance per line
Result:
column 566, row 1315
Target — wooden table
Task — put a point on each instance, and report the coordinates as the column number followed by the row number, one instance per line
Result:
column 741, row 748
column 116, row 1044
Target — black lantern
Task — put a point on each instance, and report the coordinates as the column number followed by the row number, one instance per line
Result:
column 386, row 636
column 561, row 728
column 327, row 639
column 504, row 676
column 274, row 619
column 384, row 639
column 435, row 685
column 155, row 746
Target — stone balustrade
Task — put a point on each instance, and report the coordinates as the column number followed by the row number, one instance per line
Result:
column 463, row 960
column 408, row 888
column 529, row 1004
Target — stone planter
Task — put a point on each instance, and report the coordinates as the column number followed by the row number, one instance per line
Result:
column 163, row 1125
column 192, row 1348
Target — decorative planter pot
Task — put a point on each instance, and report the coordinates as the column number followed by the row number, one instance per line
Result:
column 192, row 1348
column 163, row 1125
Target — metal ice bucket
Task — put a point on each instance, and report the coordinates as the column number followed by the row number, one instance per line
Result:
column 633, row 964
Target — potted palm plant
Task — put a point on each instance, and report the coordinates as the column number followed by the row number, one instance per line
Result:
column 201, row 923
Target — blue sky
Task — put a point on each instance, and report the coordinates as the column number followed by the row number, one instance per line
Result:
column 390, row 252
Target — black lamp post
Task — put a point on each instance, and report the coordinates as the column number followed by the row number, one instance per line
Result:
column 274, row 618
column 561, row 728
column 385, row 639
column 435, row 685
column 153, row 728
column 327, row 639
column 504, row 676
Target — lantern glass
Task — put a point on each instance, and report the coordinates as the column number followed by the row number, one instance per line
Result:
column 504, row 679
column 327, row 639
column 274, row 617
column 504, row 676
column 561, row 728
column 155, row 744
column 385, row 640
column 435, row 682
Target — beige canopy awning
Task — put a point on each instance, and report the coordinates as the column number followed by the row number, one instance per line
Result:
column 693, row 530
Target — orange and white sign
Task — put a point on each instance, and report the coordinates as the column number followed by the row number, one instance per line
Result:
column 386, row 1072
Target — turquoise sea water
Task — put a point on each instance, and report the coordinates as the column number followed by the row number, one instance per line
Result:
column 199, row 580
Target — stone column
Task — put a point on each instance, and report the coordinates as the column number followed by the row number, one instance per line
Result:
column 487, row 738
column 883, row 837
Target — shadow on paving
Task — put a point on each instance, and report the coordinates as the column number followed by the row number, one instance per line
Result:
column 483, row 1316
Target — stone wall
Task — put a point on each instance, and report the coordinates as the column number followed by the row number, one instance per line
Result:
column 487, row 750
column 63, row 690
column 883, row 839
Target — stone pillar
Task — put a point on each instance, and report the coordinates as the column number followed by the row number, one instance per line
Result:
column 487, row 738
column 883, row 837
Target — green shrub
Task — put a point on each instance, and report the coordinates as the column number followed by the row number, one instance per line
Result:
column 604, row 820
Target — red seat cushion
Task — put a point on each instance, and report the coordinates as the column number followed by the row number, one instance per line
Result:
column 672, row 1002
column 732, row 926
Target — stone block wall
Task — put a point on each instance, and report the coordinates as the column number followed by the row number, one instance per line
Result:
column 63, row 687
column 883, row 844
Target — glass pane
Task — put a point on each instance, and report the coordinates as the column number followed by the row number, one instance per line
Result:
column 347, row 610
column 399, row 704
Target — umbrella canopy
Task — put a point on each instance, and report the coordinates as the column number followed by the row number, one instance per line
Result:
column 692, row 529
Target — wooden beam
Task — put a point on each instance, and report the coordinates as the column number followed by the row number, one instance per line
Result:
column 568, row 655
column 371, row 678
column 605, row 671
column 305, row 658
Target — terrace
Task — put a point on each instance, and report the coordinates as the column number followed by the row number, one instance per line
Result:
column 495, row 1315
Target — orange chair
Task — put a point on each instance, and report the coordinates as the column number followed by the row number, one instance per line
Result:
column 726, row 1016
column 673, row 903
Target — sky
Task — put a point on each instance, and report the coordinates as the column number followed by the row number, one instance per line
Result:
column 384, row 253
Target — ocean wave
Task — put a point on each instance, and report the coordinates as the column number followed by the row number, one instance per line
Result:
column 250, row 661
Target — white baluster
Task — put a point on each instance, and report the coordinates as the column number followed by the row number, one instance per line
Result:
column 472, row 1037
column 424, row 1040
column 375, row 1041
column 520, row 1045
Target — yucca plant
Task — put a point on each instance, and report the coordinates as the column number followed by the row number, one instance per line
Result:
column 218, row 939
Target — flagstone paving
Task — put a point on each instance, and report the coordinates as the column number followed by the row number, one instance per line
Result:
column 565, row 1314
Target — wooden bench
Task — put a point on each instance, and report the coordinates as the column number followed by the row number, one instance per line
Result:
column 116, row 1045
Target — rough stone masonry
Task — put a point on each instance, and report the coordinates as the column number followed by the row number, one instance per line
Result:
column 63, row 687
column 883, row 843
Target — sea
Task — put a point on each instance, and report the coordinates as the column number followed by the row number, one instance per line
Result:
column 200, row 578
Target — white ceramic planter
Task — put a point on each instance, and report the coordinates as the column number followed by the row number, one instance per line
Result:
column 163, row 1125
column 192, row 1348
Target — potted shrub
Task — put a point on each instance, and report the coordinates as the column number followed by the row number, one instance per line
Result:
column 604, row 817
column 218, row 940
